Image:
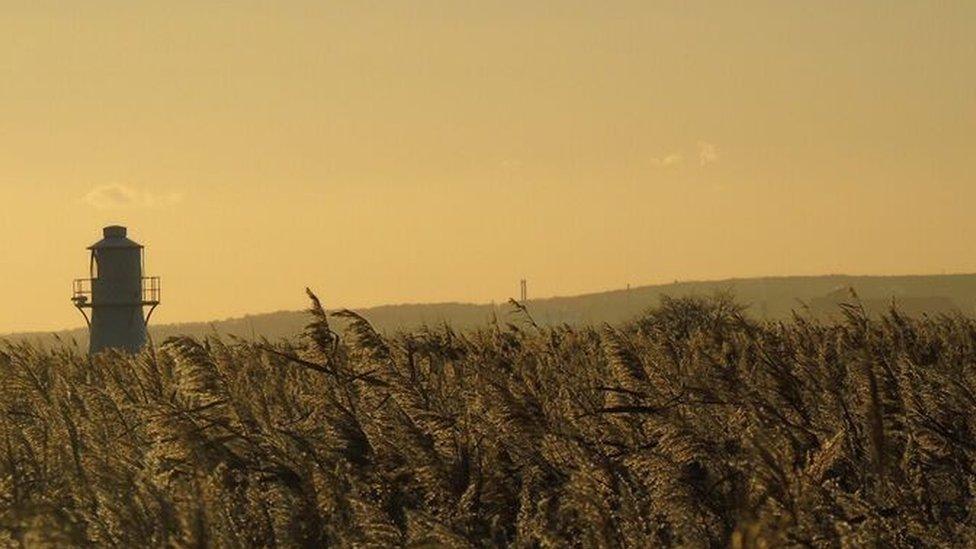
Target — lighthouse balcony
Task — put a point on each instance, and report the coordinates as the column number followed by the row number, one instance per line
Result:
column 83, row 293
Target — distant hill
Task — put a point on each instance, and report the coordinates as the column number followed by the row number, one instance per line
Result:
column 829, row 306
column 771, row 298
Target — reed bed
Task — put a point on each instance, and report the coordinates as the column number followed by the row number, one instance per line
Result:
column 691, row 426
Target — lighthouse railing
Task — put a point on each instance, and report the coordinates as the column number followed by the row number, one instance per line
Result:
column 82, row 293
column 150, row 290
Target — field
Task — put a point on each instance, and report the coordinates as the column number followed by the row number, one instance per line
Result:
column 692, row 426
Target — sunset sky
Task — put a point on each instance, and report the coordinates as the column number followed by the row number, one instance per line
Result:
column 430, row 150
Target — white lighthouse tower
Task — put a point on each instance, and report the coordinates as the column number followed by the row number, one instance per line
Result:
column 116, row 292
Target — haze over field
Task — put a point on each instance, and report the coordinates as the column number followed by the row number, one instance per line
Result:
column 390, row 152
column 773, row 299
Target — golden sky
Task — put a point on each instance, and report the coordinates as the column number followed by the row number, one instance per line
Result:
column 432, row 150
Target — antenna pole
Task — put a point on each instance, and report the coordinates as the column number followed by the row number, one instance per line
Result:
column 525, row 291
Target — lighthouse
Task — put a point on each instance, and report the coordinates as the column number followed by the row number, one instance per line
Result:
column 117, row 293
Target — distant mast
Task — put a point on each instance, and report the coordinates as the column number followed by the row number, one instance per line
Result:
column 116, row 292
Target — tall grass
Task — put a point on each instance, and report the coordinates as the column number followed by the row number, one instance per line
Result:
column 691, row 426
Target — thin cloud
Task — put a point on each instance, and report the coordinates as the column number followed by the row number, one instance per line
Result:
column 669, row 160
column 707, row 153
column 122, row 197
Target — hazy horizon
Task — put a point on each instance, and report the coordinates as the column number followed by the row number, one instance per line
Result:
column 432, row 152
column 503, row 302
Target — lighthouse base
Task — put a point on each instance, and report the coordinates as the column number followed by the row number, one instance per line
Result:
column 122, row 328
